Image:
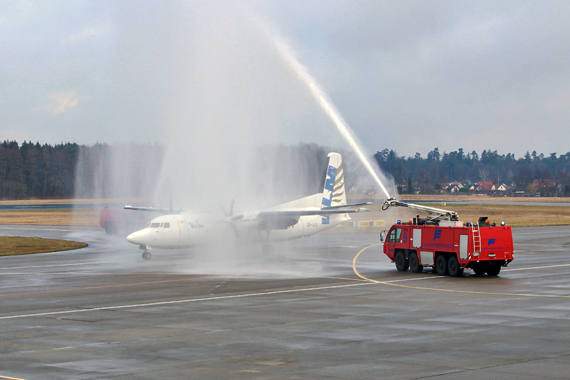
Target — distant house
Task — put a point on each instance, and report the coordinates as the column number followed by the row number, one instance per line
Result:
column 483, row 187
column 453, row 187
column 503, row 187
column 544, row 183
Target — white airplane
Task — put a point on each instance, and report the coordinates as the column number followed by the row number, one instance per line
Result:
column 301, row 217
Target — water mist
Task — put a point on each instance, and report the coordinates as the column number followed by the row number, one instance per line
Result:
column 229, row 104
column 327, row 105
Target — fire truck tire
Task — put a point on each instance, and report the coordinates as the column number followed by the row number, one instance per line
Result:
column 441, row 265
column 402, row 264
column 415, row 263
column 479, row 270
column 453, row 267
column 493, row 270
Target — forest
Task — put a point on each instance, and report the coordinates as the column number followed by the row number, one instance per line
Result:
column 533, row 173
column 37, row 171
column 66, row 170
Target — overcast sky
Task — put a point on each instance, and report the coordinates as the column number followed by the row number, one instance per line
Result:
column 405, row 75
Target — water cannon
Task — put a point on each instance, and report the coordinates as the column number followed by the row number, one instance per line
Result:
column 435, row 215
column 392, row 202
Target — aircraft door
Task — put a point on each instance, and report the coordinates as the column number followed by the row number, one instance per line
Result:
column 176, row 231
column 184, row 232
column 300, row 227
column 154, row 232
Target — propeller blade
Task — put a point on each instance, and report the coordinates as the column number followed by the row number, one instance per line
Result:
column 231, row 208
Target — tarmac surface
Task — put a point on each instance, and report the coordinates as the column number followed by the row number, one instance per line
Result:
column 103, row 312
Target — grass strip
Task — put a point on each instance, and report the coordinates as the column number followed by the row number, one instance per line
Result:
column 513, row 215
column 78, row 217
column 18, row 245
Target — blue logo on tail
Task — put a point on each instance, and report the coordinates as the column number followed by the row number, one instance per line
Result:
column 329, row 185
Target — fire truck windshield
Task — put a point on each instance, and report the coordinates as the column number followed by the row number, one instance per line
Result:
column 395, row 235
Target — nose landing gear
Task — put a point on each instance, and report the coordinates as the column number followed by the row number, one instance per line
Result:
column 146, row 254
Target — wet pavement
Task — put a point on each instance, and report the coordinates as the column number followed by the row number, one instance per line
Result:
column 103, row 312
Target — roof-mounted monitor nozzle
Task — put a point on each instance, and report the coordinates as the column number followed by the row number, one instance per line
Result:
column 435, row 215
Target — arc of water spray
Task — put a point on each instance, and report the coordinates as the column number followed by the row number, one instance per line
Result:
column 327, row 105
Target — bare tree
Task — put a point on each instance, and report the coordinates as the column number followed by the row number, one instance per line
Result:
column 484, row 174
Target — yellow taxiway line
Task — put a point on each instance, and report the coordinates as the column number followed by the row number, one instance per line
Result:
column 12, row 378
column 391, row 283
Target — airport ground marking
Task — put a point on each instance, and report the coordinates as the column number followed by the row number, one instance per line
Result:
column 190, row 300
column 105, row 286
column 11, row 378
column 391, row 283
column 540, row 267
column 540, row 233
column 35, row 229
column 62, row 265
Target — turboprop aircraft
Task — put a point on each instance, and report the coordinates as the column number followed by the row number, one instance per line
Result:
column 301, row 217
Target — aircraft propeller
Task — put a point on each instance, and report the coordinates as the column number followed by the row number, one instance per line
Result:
column 231, row 224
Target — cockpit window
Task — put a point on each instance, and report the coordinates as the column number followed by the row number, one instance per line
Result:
column 166, row 225
column 154, row 225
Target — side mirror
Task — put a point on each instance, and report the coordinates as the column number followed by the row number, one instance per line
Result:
column 382, row 236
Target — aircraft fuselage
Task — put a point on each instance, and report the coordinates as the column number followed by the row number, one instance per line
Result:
column 182, row 231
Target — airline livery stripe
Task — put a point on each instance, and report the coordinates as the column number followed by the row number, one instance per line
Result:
column 339, row 178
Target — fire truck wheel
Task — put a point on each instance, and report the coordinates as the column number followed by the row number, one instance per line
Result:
column 441, row 265
column 415, row 263
column 401, row 263
column 479, row 270
column 493, row 269
column 453, row 267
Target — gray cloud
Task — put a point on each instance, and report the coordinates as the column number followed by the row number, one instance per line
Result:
column 408, row 75
column 416, row 75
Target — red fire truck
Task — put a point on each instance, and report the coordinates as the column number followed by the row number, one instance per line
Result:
column 442, row 242
column 115, row 219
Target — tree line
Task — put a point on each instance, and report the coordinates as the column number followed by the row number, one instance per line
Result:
column 429, row 174
column 66, row 170
column 37, row 171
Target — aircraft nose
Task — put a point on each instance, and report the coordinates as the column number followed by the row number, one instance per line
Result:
column 137, row 237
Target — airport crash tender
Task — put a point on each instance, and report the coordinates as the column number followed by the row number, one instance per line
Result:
column 442, row 242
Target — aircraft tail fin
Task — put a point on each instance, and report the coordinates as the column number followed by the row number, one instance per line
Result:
column 334, row 193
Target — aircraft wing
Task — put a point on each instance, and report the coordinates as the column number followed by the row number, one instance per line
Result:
column 283, row 219
column 150, row 209
column 350, row 205
column 298, row 213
